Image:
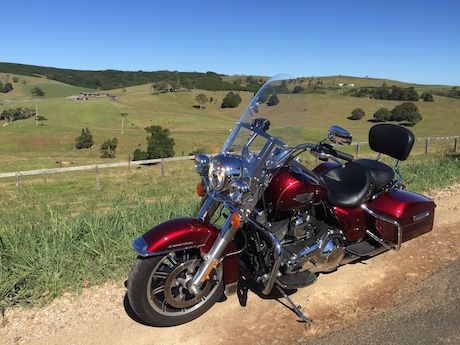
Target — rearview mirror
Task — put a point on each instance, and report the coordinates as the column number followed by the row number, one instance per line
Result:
column 339, row 136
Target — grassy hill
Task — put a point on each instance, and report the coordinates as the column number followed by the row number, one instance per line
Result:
column 25, row 146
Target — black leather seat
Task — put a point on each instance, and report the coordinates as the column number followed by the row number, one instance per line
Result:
column 348, row 186
column 381, row 173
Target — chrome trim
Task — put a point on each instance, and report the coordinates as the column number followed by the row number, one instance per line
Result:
column 214, row 254
column 202, row 162
column 420, row 216
column 270, row 281
column 385, row 219
column 231, row 289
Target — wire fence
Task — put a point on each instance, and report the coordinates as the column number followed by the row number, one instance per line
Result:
column 164, row 161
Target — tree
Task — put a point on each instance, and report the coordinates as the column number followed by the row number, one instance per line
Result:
column 159, row 144
column 427, row 97
column 382, row 115
column 85, row 140
column 298, row 89
column 396, row 94
column 108, row 148
column 407, row 111
column 201, row 98
column 232, row 100
column 410, row 95
column 413, row 118
column 37, row 92
column 6, row 88
column 139, row 155
column 273, row 100
column 402, row 112
column 357, row 114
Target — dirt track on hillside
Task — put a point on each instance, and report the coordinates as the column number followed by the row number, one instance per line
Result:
column 101, row 315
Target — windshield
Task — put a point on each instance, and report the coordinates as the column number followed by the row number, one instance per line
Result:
column 276, row 113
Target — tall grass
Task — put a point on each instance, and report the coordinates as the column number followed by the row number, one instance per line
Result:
column 48, row 249
column 424, row 173
column 51, row 247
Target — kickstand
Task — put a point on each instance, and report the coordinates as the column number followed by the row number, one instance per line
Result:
column 296, row 309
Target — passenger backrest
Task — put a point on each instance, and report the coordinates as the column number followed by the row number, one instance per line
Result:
column 392, row 140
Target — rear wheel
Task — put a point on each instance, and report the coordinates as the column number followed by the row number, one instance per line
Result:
column 157, row 288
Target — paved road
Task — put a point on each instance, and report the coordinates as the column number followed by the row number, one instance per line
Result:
column 431, row 316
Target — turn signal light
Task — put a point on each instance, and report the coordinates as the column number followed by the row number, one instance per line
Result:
column 200, row 189
column 236, row 220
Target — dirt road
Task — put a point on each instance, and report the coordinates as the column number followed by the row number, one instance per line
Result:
column 339, row 299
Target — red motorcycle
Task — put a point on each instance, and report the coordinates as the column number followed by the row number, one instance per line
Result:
column 268, row 216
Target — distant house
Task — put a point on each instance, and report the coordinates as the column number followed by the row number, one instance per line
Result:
column 84, row 96
column 345, row 85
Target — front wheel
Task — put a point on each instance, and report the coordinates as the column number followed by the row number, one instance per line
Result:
column 157, row 288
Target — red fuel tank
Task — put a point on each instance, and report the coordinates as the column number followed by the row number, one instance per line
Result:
column 289, row 191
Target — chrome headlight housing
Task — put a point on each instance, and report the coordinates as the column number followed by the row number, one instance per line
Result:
column 239, row 191
column 202, row 164
column 223, row 169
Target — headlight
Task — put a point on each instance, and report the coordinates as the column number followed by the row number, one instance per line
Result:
column 222, row 170
column 217, row 175
column 238, row 191
column 202, row 164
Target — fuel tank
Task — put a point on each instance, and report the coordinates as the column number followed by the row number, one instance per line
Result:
column 289, row 190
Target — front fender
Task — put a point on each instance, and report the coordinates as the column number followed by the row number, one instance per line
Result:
column 185, row 233
column 176, row 234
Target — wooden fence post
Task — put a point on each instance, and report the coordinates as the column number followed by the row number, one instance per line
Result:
column 97, row 178
column 357, row 150
column 17, row 184
column 162, row 168
column 456, row 144
column 427, row 144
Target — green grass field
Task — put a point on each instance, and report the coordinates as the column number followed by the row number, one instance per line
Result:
column 27, row 147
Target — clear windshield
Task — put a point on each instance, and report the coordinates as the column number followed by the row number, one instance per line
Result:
column 275, row 113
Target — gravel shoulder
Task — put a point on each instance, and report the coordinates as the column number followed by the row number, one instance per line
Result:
column 336, row 302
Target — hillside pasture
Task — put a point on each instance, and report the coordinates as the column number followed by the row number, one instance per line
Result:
column 27, row 147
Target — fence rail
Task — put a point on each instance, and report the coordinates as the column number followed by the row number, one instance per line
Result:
column 163, row 161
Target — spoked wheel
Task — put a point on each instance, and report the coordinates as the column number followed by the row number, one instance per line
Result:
column 157, row 288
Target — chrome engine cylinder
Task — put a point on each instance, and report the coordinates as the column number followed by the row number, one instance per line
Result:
column 324, row 255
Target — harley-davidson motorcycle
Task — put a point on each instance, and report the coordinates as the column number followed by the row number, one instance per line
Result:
column 270, row 218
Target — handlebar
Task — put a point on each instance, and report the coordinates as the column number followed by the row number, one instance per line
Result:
column 344, row 156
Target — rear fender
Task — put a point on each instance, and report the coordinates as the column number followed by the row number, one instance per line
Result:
column 185, row 233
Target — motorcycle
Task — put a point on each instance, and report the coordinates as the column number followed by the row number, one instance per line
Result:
column 266, row 215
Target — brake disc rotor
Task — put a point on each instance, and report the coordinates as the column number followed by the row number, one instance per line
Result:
column 175, row 290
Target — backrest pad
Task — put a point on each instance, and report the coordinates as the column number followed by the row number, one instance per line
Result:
column 392, row 140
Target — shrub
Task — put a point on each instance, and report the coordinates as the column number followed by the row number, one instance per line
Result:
column 232, row 100
column 401, row 112
column 85, row 140
column 357, row 114
column 273, row 100
column 382, row 115
column 139, row 155
column 108, row 148
column 298, row 89
column 427, row 97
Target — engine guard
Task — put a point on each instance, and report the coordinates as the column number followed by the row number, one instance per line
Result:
column 185, row 233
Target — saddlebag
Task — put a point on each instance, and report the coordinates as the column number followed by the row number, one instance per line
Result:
column 413, row 212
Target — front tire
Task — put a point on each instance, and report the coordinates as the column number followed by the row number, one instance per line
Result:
column 157, row 288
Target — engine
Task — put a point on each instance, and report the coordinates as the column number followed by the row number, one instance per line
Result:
column 311, row 245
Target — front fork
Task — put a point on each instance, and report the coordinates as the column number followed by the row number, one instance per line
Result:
column 211, row 258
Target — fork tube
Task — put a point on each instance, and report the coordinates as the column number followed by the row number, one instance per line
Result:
column 212, row 258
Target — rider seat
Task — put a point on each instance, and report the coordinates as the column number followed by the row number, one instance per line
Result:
column 348, row 185
column 392, row 140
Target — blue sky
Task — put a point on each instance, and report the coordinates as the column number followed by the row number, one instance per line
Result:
column 411, row 41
